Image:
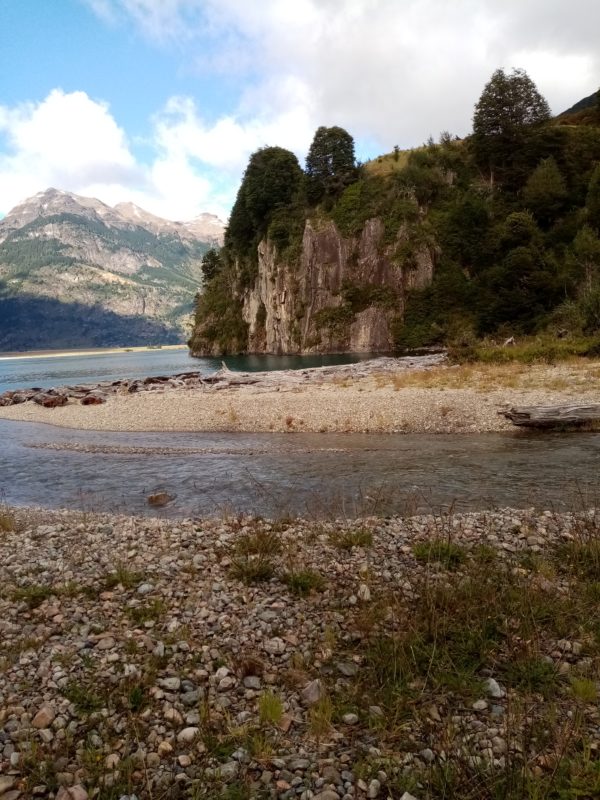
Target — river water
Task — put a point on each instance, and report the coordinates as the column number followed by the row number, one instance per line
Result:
column 45, row 372
column 317, row 475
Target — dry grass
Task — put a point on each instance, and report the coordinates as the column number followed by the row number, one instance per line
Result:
column 577, row 375
column 388, row 164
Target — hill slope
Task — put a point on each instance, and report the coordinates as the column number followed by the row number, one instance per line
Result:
column 71, row 264
column 443, row 244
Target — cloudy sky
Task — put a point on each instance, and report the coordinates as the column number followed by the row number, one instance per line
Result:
column 162, row 101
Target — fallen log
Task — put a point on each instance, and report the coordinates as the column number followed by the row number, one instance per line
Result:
column 561, row 417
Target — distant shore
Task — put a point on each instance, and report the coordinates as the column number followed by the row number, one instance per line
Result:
column 356, row 398
column 13, row 356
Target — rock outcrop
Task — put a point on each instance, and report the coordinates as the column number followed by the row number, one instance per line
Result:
column 343, row 294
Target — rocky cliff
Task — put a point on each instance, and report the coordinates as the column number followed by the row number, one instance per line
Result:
column 340, row 294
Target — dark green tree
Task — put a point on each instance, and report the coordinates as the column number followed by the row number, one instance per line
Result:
column 330, row 164
column 509, row 105
column 271, row 181
column 592, row 202
column 545, row 191
column 211, row 264
column 587, row 253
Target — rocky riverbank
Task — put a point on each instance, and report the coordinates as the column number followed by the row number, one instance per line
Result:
column 432, row 656
column 384, row 395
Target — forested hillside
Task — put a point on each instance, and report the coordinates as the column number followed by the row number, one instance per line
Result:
column 493, row 235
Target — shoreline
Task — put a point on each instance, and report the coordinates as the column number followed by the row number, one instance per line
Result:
column 385, row 396
column 29, row 354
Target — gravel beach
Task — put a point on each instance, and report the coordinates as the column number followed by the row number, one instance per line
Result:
column 150, row 658
column 355, row 398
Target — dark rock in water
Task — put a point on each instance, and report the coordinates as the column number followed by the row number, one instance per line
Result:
column 93, row 400
column 50, row 400
column 160, row 499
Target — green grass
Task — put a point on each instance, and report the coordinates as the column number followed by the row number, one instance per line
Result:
column 270, row 708
column 448, row 554
column 84, row 698
column 146, row 613
column 303, row 582
column 252, row 569
column 258, row 543
column 33, row 595
column 123, row 576
column 542, row 349
column 347, row 539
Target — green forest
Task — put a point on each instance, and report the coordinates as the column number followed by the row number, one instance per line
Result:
column 513, row 211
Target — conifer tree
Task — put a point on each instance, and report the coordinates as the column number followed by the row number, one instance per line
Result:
column 330, row 163
column 508, row 106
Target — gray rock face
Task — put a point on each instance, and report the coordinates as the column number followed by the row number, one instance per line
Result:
column 301, row 305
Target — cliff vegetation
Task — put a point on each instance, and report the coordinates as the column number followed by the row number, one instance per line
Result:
column 496, row 235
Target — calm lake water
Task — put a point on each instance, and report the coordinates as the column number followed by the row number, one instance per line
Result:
column 45, row 372
column 318, row 475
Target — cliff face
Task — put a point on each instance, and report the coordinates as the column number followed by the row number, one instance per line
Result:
column 343, row 294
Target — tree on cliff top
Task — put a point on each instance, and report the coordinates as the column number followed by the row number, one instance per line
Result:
column 330, row 163
column 271, row 181
column 509, row 105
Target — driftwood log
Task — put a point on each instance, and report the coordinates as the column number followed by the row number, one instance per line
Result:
column 553, row 417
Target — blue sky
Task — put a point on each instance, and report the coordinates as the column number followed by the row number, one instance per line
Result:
column 162, row 101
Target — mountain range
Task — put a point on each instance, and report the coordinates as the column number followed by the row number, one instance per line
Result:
column 75, row 272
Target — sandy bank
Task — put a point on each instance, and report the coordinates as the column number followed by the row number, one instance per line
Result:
column 445, row 399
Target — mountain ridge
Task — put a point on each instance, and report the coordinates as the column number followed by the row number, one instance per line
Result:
column 83, row 253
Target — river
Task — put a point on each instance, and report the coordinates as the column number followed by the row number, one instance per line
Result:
column 319, row 475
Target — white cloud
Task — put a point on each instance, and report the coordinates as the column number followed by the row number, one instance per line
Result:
column 72, row 142
column 389, row 71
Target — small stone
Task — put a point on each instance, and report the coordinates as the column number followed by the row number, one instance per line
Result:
column 364, row 593
column 76, row 792
column 188, row 735
column 328, row 794
column 164, row 749
column 111, row 761
column 107, row 643
column 312, row 692
column 374, row 788
column 170, row 684
column 347, row 668
column 6, row 783
column 275, row 646
column 494, row 689
column 252, row 682
column 184, row 761
column 350, row 719
column 44, row 717
column 229, row 770
column 480, row 705
column 145, row 588
column 427, row 755
column 408, row 796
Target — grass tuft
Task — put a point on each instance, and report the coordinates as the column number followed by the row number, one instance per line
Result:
column 304, row 581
